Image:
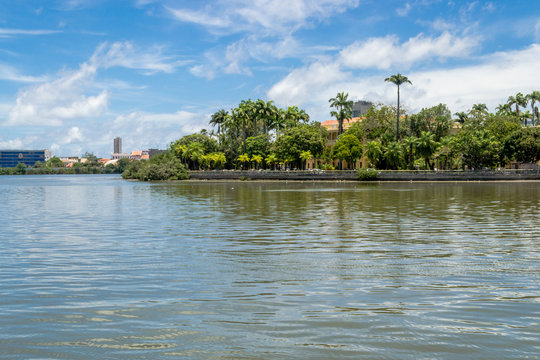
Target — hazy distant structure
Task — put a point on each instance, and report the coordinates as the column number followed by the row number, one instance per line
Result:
column 360, row 108
column 117, row 145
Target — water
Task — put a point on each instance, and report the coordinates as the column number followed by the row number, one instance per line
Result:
column 94, row 267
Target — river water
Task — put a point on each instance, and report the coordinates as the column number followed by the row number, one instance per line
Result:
column 94, row 267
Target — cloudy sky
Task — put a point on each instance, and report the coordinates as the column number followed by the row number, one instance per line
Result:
column 74, row 74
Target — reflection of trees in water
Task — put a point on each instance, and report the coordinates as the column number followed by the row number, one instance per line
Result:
column 284, row 231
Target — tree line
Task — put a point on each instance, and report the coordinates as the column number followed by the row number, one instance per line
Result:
column 259, row 135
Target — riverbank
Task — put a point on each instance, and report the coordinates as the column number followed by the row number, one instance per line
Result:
column 351, row 175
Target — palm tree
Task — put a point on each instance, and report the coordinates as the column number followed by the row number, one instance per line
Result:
column 409, row 145
column 426, row 147
column 374, row 152
column 518, row 100
column 392, row 154
column 461, row 117
column 504, row 109
column 305, row 156
column 534, row 97
column 218, row 118
column 398, row 80
column 343, row 107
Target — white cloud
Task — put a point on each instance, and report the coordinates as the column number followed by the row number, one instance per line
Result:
column 127, row 55
column 404, row 10
column 261, row 16
column 12, row 144
column 387, row 52
column 74, row 135
column 267, row 27
column 17, row 143
column 199, row 17
column 73, row 95
column 491, row 80
column 303, row 85
column 50, row 103
column 4, row 32
column 150, row 130
column 10, row 73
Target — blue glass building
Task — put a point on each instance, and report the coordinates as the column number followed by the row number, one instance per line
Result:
column 10, row 158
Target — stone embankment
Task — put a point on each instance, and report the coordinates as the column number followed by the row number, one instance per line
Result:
column 350, row 175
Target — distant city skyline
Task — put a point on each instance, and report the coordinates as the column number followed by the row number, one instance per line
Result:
column 76, row 73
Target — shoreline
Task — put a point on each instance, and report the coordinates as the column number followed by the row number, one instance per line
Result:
column 351, row 176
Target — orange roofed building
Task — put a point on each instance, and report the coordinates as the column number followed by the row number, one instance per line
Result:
column 332, row 127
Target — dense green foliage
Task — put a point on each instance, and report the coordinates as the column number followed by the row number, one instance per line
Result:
column 523, row 145
column 164, row 166
column 348, row 147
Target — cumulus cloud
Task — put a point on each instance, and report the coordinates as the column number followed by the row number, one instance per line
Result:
column 12, row 144
column 154, row 130
column 74, row 135
column 491, row 79
column 50, row 103
column 387, row 52
column 73, row 95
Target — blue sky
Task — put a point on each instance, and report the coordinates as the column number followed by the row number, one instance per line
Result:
column 74, row 74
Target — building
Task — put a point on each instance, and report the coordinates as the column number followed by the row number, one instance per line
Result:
column 10, row 158
column 154, row 152
column 117, row 156
column 332, row 128
column 118, row 145
column 360, row 108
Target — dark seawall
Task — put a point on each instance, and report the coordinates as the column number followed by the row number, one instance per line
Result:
column 350, row 175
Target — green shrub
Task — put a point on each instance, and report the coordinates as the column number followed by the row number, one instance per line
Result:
column 367, row 174
column 164, row 166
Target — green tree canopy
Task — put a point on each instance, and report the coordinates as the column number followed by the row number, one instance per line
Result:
column 523, row 145
column 348, row 148
column 294, row 141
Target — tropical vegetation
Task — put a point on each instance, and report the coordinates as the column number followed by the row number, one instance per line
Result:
column 259, row 135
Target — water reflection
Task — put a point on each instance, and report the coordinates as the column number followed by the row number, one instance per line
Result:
column 96, row 267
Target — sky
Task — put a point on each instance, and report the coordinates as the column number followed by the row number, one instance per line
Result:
column 75, row 74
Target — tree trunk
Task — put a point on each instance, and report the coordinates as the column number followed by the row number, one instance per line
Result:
column 397, row 117
column 532, row 106
column 244, row 135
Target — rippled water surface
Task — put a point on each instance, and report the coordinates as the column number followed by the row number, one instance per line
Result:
column 94, row 267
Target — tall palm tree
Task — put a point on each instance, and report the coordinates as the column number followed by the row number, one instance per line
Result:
column 518, row 100
column 534, row 97
column 240, row 115
column 343, row 107
column 218, row 118
column 264, row 111
column 398, row 80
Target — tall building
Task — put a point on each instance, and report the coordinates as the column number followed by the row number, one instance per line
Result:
column 117, row 145
column 360, row 108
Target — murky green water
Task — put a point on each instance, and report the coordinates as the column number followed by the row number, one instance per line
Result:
column 93, row 267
